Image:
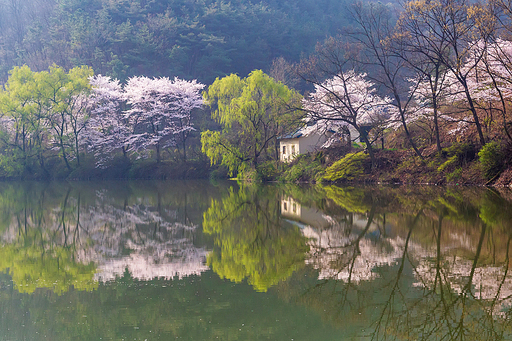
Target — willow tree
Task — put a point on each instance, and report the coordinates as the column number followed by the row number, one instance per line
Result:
column 43, row 111
column 252, row 113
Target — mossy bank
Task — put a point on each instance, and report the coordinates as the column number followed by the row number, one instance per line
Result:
column 460, row 164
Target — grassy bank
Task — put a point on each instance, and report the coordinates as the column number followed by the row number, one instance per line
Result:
column 460, row 164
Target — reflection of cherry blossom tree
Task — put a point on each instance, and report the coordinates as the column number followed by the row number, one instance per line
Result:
column 97, row 238
column 425, row 283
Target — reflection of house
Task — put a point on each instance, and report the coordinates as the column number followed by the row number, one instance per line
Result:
column 304, row 215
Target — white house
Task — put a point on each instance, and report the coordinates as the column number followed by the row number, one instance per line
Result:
column 300, row 143
column 310, row 139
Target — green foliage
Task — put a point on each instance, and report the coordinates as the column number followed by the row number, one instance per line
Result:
column 413, row 162
column 491, row 159
column 45, row 114
column 252, row 112
column 450, row 162
column 219, row 149
column 495, row 211
column 348, row 168
column 267, row 171
column 32, row 268
column 304, row 168
column 189, row 39
column 349, row 198
column 455, row 175
column 250, row 242
column 464, row 152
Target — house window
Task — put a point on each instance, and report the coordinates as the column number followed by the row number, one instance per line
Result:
column 293, row 149
column 284, row 149
column 294, row 208
column 285, row 206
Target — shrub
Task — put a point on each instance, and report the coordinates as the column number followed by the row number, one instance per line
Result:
column 450, row 162
column 267, row 171
column 248, row 174
column 491, row 159
column 455, row 175
column 305, row 168
column 464, row 152
column 347, row 168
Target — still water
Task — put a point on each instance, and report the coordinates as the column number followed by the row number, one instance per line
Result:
column 202, row 261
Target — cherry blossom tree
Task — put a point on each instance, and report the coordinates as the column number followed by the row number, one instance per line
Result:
column 492, row 77
column 488, row 77
column 108, row 131
column 432, row 93
column 160, row 112
column 347, row 99
column 185, row 97
column 158, row 115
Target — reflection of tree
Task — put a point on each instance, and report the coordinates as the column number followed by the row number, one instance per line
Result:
column 348, row 198
column 54, row 269
column 343, row 250
column 464, row 289
column 83, row 234
column 38, row 257
column 456, row 298
column 250, row 239
column 436, row 270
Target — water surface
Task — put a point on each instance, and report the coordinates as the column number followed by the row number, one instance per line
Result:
column 198, row 261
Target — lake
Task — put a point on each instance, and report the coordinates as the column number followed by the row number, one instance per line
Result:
column 154, row 260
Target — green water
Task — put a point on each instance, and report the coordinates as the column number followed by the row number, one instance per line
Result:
column 202, row 261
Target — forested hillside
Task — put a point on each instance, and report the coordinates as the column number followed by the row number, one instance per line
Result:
column 191, row 39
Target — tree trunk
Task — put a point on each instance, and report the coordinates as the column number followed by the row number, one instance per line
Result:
column 473, row 111
column 408, row 135
column 184, row 149
column 436, row 129
column 157, row 147
column 77, row 152
column 371, row 153
column 64, row 156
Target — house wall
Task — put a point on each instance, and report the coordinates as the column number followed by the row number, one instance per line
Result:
column 300, row 145
column 290, row 145
column 354, row 134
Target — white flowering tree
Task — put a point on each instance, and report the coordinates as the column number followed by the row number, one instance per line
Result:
column 185, row 97
column 158, row 115
column 491, row 78
column 488, row 76
column 160, row 112
column 107, row 132
column 432, row 94
column 347, row 99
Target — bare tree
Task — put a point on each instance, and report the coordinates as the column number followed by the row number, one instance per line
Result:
column 375, row 26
